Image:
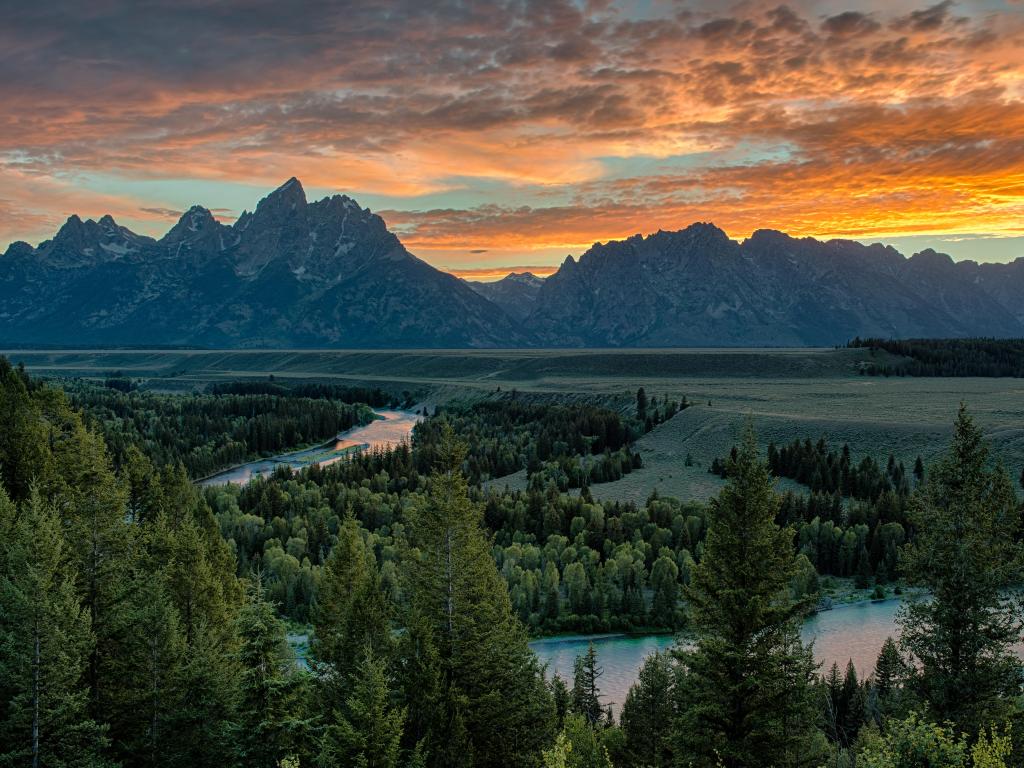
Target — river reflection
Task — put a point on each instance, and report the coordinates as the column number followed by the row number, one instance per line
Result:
column 385, row 432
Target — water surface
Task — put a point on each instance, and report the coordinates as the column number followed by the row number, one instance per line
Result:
column 388, row 430
column 847, row 632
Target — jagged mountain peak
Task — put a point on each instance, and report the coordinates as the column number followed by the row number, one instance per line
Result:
column 292, row 273
column 196, row 225
column 290, row 193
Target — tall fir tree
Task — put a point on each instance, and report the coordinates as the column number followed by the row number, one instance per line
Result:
column 586, row 695
column 352, row 612
column 647, row 713
column 746, row 688
column 493, row 704
column 366, row 732
column 271, row 721
column 45, row 645
column 967, row 554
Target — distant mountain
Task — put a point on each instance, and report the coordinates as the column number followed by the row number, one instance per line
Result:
column 516, row 293
column 698, row 287
column 329, row 273
column 290, row 274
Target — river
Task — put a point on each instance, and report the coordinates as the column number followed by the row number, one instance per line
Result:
column 390, row 429
column 846, row 632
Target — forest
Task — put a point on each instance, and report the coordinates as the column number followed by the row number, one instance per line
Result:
column 206, row 432
column 144, row 621
column 946, row 357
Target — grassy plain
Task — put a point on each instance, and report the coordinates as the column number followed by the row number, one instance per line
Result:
column 789, row 393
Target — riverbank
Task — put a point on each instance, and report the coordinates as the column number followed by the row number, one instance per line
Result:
column 387, row 428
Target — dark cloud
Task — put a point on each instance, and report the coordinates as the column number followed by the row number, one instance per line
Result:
column 929, row 19
column 850, row 24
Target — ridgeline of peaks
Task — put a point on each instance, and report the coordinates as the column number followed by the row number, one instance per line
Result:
column 289, row 274
column 330, row 274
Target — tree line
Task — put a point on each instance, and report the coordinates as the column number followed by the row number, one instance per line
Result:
column 208, row 432
column 507, row 435
column 945, row 357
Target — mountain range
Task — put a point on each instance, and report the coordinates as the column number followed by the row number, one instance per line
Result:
column 330, row 274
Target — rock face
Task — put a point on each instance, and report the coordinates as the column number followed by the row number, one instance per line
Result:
column 516, row 293
column 289, row 274
column 330, row 274
column 696, row 287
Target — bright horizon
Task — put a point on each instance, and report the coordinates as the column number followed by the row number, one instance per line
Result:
column 504, row 137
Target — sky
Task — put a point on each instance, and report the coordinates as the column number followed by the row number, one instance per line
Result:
column 498, row 136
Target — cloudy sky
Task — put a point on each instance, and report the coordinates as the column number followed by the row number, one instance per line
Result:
column 508, row 134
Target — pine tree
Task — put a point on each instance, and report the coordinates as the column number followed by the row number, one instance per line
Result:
column 853, row 702
column 45, row 644
column 269, row 720
column 966, row 555
column 491, row 686
column 887, row 682
column 143, row 713
column 745, row 691
column 586, row 696
column 352, row 612
column 562, row 699
column 647, row 713
column 207, row 719
column 367, row 732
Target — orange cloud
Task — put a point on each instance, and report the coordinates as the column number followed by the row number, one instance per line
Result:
column 530, row 127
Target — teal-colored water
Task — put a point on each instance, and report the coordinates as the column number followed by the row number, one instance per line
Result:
column 854, row 632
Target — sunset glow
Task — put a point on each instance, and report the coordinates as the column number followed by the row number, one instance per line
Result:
column 496, row 135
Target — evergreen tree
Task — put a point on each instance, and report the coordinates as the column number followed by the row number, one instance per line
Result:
column 562, row 699
column 491, row 686
column 269, row 723
column 746, row 695
column 647, row 713
column 641, row 405
column 148, row 665
column 45, row 645
column 586, row 697
column 887, row 682
column 419, row 678
column 367, row 732
column 352, row 613
column 207, row 718
column 966, row 555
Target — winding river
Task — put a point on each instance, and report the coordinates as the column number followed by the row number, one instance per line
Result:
column 389, row 429
column 846, row 632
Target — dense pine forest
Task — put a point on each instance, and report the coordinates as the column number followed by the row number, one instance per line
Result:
column 143, row 620
column 946, row 357
column 208, row 432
